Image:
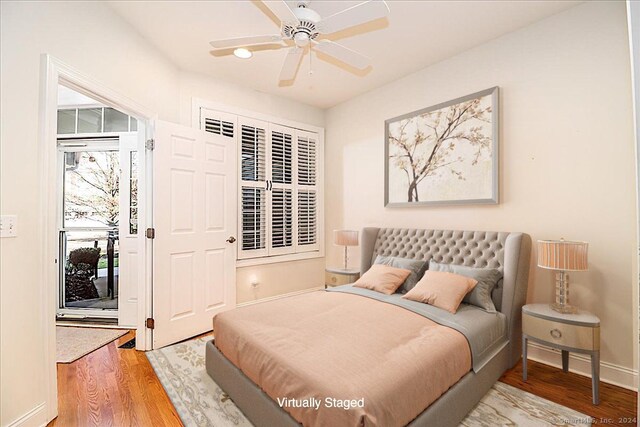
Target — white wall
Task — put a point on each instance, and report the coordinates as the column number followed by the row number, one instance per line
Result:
column 567, row 154
column 91, row 38
column 200, row 86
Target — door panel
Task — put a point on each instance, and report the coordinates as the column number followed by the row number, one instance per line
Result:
column 182, row 285
column 215, row 184
column 217, row 273
column 194, row 215
column 183, row 209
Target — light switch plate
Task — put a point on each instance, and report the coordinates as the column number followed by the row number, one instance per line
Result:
column 8, row 226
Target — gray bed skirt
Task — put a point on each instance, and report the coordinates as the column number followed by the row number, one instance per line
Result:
column 261, row 410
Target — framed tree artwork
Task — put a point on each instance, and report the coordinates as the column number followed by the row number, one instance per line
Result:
column 444, row 154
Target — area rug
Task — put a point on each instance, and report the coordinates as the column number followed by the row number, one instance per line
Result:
column 200, row 402
column 73, row 343
column 505, row 405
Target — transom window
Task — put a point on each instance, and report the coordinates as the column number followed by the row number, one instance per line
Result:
column 94, row 120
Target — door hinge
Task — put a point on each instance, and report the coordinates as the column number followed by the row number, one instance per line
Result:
column 150, row 144
column 150, row 323
column 151, row 233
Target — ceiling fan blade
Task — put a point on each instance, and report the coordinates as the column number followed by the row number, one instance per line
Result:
column 343, row 54
column 356, row 15
column 245, row 41
column 281, row 9
column 291, row 63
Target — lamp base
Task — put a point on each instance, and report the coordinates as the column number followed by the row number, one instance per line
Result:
column 345, row 257
column 563, row 308
column 562, row 295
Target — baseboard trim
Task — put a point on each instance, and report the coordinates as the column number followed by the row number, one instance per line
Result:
column 36, row 417
column 274, row 297
column 580, row 364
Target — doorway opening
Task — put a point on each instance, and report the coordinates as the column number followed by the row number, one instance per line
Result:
column 58, row 81
column 97, row 215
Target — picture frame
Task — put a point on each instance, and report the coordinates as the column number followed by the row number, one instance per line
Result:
column 446, row 154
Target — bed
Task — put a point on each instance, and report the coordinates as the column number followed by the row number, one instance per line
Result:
column 260, row 344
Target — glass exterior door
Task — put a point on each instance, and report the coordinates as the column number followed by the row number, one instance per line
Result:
column 89, row 246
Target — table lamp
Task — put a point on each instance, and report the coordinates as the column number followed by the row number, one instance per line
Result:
column 345, row 238
column 562, row 256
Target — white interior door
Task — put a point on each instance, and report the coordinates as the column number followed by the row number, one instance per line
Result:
column 194, row 211
column 129, row 235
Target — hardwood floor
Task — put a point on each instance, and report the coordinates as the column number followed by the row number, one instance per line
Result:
column 112, row 387
column 118, row 387
column 617, row 405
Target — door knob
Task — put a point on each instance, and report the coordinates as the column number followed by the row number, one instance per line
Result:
column 231, row 239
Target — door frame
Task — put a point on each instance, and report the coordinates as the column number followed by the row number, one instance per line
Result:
column 633, row 11
column 52, row 73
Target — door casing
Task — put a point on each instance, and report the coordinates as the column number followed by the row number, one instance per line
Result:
column 52, row 73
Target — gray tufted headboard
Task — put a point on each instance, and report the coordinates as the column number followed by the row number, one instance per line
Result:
column 509, row 252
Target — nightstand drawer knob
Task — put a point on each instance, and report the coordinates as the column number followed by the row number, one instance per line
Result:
column 334, row 279
column 555, row 333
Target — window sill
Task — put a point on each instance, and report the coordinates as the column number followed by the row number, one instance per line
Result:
column 278, row 258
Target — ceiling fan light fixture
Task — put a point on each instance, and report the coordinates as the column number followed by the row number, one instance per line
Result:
column 302, row 30
column 242, row 53
column 301, row 39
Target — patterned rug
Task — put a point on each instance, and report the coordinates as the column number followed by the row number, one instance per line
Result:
column 73, row 343
column 200, row 402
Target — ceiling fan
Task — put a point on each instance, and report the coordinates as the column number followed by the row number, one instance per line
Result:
column 303, row 26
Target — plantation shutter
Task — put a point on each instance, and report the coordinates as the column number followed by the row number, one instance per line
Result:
column 220, row 127
column 280, row 185
column 218, row 122
column 281, row 214
column 307, row 191
column 254, row 200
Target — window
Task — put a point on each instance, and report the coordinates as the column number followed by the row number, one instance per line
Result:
column 307, row 144
column 253, row 188
column 282, row 185
column 91, row 120
column 219, row 126
column 115, row 121
column 280, row 211
column 133, row 192
column 67, row 121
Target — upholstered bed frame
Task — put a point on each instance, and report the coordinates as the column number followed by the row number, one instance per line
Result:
column 509, row 252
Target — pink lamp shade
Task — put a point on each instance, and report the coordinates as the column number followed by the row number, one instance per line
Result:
column 345, row 237
column 562, row 255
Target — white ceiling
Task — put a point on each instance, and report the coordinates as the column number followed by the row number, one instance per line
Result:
column 416, row 35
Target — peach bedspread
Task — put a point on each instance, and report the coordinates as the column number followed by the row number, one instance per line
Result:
column 324, row 349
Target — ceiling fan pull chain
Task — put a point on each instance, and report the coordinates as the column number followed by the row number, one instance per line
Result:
column 310, row 64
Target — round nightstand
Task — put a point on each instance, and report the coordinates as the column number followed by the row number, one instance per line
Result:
column 338, row 276
column 579, row 332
